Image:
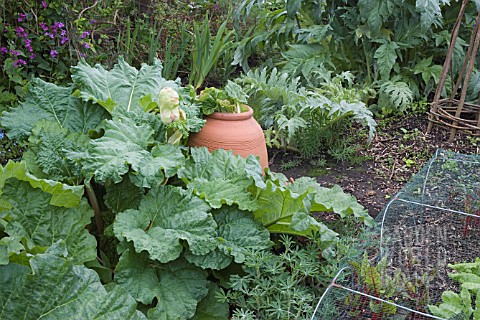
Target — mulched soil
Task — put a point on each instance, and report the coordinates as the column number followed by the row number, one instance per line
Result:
column 398, row 151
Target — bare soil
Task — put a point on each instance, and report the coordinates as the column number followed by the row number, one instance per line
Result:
column 398, row 151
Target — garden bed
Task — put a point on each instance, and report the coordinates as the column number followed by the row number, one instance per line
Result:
column 398, row 151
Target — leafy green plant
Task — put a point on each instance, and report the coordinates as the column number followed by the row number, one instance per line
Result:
column 465, row 303
column 377, row 41
column 472, row 207
column 300, row 116
column 231, row 99
column 281, row 284
column 373, row 280
column 287, row 165
column 205, row 53
column 158, row 215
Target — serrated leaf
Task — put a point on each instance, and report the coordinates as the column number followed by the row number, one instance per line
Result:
column 178, row 286
column 235, row 92
column 122, row 87
column 60, row 194
column 430, row 13
column 376, row 12
column 47, row 101
column 219, row 177
column 166, row 216
column 386, row 57
column 290, row 126
column 398, row 93
column 123, row 145
column 209, row 308
column 41, row 224
column 57, row 289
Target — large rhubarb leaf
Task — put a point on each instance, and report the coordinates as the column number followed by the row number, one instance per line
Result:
column 178, row 286
column 122, row 87
column 123, row 196
column 332, row 199
column 59, row 194
column 50, row 102
column 123, row 144
column 9, row 246
column 54, row 288
column 335, row 200
column 238, row 233
column 164, row 163
column 283, row 211
column 167, row 216
column 47, row 155
column 219, row 177
column 38, row 223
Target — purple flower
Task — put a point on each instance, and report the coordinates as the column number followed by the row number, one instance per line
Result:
column 21, row 16
column 82, row 55
column 86, row 45
column 64, row 39
column 32, row 56
column 3, row 50
column 43, row 25
column 58, row 25
column 44, row 4
column 20, row 31
column 215, row 6
column 48, row 34
column 93, row 21
column 85, row 34
column 14, row 52
column 18, row 62
column 53, row 53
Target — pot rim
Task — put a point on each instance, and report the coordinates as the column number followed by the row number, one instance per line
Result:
column 232, row 116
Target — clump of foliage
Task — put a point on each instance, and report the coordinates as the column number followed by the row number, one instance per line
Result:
column 44, row 38
column 378, row 41
column 466, row 303
column 106, row 213
column 231, row 99
column 304, row 120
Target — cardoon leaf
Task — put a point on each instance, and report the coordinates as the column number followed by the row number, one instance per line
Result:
column 386, row 57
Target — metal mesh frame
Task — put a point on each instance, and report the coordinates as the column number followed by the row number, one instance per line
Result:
column 432, row 222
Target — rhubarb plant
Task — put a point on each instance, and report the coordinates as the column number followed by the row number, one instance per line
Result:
column 105, row 202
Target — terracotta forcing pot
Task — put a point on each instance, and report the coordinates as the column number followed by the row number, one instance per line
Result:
column 239, row 132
